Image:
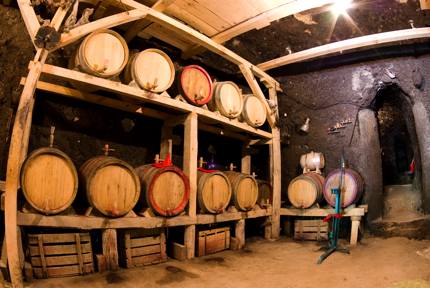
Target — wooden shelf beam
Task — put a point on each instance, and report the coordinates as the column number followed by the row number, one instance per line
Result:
column 367, row 41
column 144, row 96
column 322, row 212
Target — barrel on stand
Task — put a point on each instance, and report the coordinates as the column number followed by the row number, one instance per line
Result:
column 245, row 190
column 265, row 193
column 166, row 189
column 213, row 191
column 254, row 112
column 195, row 85
column 352, row 187
column 227, row 99
column 103, row 54
column 49, row 180
column 306, row 190
column 151, row 69
column 312, row 161
column 112, row 187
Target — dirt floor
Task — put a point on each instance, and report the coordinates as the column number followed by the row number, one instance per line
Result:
column 376, row 262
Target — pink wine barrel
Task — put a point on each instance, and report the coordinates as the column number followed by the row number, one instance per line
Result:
column 352, row 187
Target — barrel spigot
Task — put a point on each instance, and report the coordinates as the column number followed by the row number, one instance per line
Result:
column 51, row 137
column 201, row 162
column 254, row 175
column 106, row 149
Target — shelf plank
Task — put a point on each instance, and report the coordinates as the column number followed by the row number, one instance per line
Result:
column 322, row 212
column 91, row 222
column 145, row 96
column 232, row 216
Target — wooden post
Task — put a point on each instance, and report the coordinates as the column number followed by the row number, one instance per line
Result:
column 190, row 169
column 110, row 249
column 166, row 137
column 275, row 172
column 239, row 233
column 355, row 224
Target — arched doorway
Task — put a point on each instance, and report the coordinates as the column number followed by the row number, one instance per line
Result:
column 400, row 154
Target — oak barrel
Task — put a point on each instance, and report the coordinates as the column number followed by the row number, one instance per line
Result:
column 111, row 185
column 103, row 53
column 312, row 160
column 151, row 69
column 227, row 99
column 245, row 190
column 352, row 187
column 166, row 190
column 195, row 85
column 265, row 192
column 49, row 180
column 254, row 112
column 306, row 190
column 213, row 191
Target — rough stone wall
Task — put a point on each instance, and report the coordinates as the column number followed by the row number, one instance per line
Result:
column 332, row 95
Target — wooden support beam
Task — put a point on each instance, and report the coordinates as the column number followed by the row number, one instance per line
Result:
column 190, row 169
column 239, row 233
column 256, row 90
column 367, row 41
column 110, row 249
column 166, row 141
column 103, row 23
column 29, row 17
column 262, row 20
column 159, row 6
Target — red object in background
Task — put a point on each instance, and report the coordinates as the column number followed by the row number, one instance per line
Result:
column 412, row 167
column 328, row 217
column 166, row 163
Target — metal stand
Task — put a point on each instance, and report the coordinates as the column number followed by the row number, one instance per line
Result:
column 334, row 234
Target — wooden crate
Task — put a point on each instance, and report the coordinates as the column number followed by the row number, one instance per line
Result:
column 59, row 255
column 212, row 241
column 139, row 247
column 310, row 230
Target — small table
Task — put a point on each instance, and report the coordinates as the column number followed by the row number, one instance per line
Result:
column 355, row 213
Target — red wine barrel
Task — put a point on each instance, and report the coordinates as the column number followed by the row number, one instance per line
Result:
column 49, row 180
column 195, row 85
column 213, row 191
column 265, row 192
column 245, row 190
column 306, row 190
column 352, row 187
column 112, row 187
column 166, row 189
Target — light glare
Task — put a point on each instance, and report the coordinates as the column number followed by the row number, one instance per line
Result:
column 340, row 6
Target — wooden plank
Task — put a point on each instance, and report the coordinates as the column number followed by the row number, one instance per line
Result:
column 140, row 251
column 273, row 230
column 190, row 169
column 160, row 6
column 179, row 251
column 57, row 238
column 2, row 186
column 61, row 260
column 103, row 23
column 239, row 234
column 144, row 96
column 320, row 212
column 58, row 249
column 63, row 271
column 29, row 17
column 367, row 41
column 262, row 20
column 425, row 4
column 355, row 225
column 110, row 249
column 246, row 159
column 147, row 259
column 146, row 241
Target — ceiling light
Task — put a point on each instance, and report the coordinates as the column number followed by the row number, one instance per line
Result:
column 340, row 6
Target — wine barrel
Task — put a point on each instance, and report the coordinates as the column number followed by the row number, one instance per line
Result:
column 195, row 85
column 245, row 190
column 312, row 161
column 227, row 99
column 254, row 112
column 306, row 190
column 166, row 189
column 103, row 53
column 112, row 187
column 49, row 180
column 265, row 192
column 151, row 69
column 213, row 191
column 352, row 187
